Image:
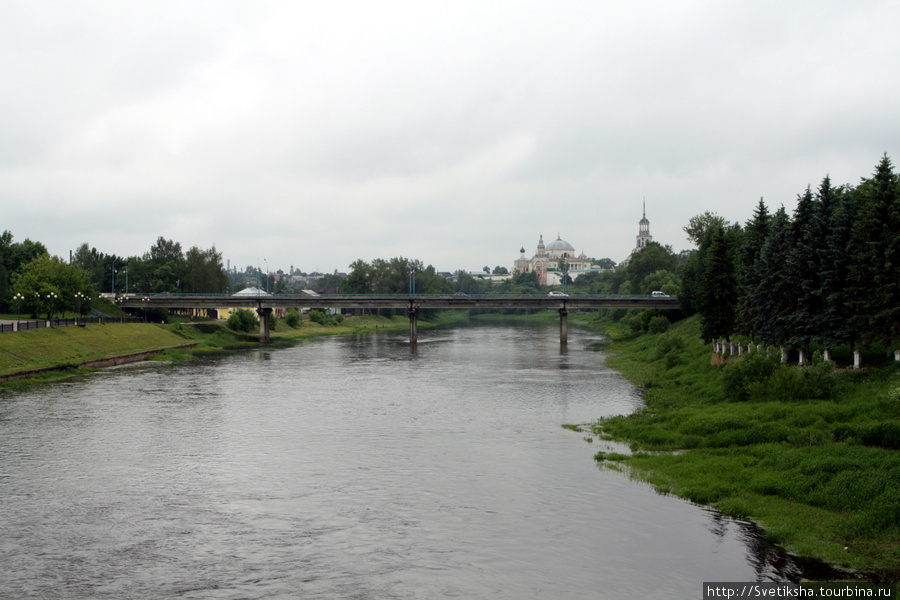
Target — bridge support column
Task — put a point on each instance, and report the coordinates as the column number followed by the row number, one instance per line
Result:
column 265, row 314
column 413, row 315
column 563, row 326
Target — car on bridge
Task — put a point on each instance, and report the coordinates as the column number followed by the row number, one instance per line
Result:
column 558, row 294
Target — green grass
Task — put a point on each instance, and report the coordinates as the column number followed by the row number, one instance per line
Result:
column 69, row 346
column 66, row 347
column 811, row 454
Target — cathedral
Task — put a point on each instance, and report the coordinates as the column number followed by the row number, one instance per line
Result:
column 551, row 260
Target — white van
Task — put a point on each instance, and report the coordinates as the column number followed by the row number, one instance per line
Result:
column 659, row 295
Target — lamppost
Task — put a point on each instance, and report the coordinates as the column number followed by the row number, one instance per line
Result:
column 412, row 282
column 113, row 268
column 144, row 306
column 51, row 300
column 18, row 300
column 267, row 275
column 81, row 299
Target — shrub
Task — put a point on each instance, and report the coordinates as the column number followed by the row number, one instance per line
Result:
column 292, row 318
column 658, row 324
column 318, row 316
column 744, row 377
column 242, row 320
column 671, row 347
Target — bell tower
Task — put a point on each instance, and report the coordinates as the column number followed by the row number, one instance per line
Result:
column 643, row 236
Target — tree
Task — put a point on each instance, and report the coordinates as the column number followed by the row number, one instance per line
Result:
column 467, row 284
column 498, row 270
column 803, row 270
column 748, row 268
column 359, row 279
column 773, row 296
column 651, row 258
column 836, row 285
column 700, row 227
column 875, row 272
column 718, row 297
column 50, row 285
column 204, row 272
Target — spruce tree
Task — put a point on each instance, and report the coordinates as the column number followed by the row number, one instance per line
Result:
column 838, row 211
column 876, row 264
column 803, row 270
column 773, row 296
column 755, row 232
column 718, row 296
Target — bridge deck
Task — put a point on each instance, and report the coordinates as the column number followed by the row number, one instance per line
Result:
column 400, row 301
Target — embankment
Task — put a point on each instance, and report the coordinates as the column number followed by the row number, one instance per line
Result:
column 812, row 454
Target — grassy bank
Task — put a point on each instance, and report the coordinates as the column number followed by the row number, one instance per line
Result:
column 63, row 348
column 810, row 453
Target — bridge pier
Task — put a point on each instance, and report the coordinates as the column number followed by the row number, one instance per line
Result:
column 413, row 314
column 265, row 315
column 563, row 326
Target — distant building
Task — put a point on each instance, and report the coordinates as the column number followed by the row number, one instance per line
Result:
column 549, row 261
column 643, row 236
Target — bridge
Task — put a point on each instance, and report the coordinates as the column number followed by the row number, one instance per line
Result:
column 411, row 303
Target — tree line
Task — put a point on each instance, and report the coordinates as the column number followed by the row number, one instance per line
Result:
column 32, row 281
column 827, row 274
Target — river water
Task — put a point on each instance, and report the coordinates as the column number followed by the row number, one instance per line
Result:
column 348, row 467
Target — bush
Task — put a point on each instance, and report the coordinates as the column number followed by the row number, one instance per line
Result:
column 658, row 324
column 318, row 316
column 292, row 318
column 744, row 377
column 670, row 346
column 242, row 320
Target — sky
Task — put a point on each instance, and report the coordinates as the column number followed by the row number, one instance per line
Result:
column 313, row 134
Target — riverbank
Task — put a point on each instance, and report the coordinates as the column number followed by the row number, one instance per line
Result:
column 810, row 454
column 51, row 353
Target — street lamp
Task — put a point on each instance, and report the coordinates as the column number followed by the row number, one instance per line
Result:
column 18, row 298
column 82, row 301
column 267, row 275
column 412, row 282
column 51, row 300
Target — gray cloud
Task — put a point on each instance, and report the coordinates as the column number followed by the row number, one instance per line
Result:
column 314, row 134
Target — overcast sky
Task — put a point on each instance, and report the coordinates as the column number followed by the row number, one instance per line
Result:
column 317, row 133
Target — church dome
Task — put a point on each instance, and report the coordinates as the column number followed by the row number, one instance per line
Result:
column 560, row 245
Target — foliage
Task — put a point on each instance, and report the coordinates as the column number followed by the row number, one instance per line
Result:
column 292, row 318
column 717, row 298
column 394, row 276
column 322, row 318
column 49, row 285
column 809, row 452
column 242, row 320
column 658, row 324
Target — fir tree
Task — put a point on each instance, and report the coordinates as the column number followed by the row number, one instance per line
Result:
column 719, row 288
column 748, row 269
column 838, row 210
column 773, row 296
column 875, row 272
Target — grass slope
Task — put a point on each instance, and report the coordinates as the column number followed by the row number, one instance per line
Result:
column 69, row 346
column 810, row 453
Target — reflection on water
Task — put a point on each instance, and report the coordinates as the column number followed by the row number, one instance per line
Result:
column 354, row 467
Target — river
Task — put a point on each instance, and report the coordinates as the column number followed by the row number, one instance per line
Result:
column 349, row 467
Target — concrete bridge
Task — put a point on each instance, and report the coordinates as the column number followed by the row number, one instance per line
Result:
column 411, row 303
